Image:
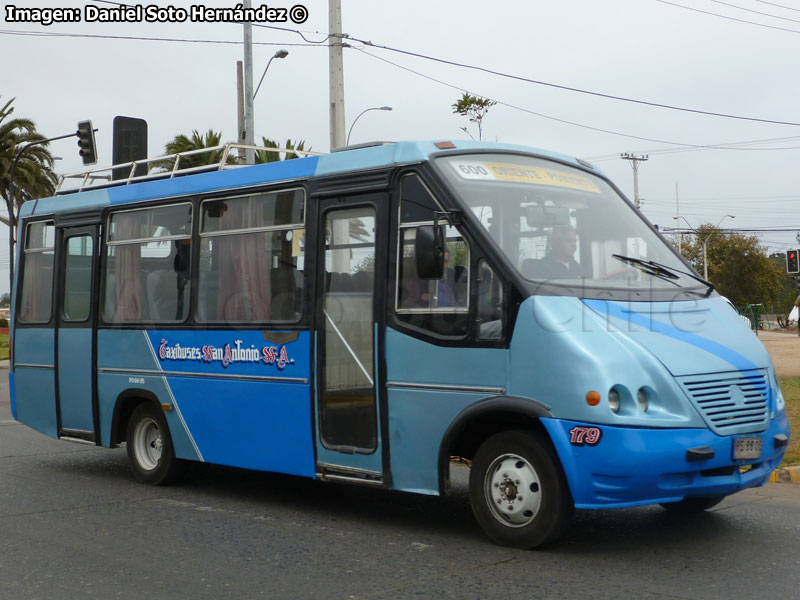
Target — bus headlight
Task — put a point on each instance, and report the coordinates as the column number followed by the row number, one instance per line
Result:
column 642, row 398
column 613, row 400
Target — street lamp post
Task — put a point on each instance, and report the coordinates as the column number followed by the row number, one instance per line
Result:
column 360, row 115
column 704, row 241
column 249, row 117
column 279, row 54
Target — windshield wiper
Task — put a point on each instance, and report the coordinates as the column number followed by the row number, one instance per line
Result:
column 657, row 269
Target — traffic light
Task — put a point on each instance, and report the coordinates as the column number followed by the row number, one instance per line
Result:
column 791, row 261
column 86, row 143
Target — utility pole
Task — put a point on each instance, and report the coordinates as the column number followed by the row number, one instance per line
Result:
column 249, row 120
column 241, row 135
column 336, row 63
column 635, row 160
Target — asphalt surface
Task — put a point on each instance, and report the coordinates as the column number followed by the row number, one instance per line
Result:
column 75, row 524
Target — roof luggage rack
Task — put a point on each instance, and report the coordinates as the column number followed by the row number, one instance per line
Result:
column 98, row 178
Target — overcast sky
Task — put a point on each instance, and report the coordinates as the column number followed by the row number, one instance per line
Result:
column 649, row 50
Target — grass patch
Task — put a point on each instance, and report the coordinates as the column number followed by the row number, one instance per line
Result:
column 790, row 386
column 3, row 346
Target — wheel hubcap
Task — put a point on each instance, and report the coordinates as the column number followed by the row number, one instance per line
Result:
column 512, row 490
column 148, row 444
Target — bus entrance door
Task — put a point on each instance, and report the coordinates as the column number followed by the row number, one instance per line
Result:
column 348, row 435
column 75, row 338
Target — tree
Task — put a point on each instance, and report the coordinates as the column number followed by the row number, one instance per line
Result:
column 475, row 108
column 197, row 141
column 738, row 266
column 789, row 290
column 263, row 156
column 34, row 176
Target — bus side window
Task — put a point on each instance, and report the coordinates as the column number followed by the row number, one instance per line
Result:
column 252, row 252
column 36, row 301
column 78, row 278
column 491, row 308
column 437, row 305
column 147, row 267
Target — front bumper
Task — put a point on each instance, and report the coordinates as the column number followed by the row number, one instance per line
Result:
column 636, row 466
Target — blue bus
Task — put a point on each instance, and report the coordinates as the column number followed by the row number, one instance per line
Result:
column 368, row 315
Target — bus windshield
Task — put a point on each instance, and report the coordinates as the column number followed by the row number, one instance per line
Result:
column 562, row 225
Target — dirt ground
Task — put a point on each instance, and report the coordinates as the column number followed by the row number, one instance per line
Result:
column 784, row 347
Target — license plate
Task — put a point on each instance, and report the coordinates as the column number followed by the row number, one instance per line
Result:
column 747, row 448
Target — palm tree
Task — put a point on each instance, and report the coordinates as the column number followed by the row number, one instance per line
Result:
column 262, row 156
column 34, row 176
column 197, row 141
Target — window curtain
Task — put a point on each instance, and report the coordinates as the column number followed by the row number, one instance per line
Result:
column 37, row 287
column 244, row 286
column 129, row 268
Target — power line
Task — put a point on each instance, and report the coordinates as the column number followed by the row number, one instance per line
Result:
column 569, row 88
column 705, row 12
column 138, row 38
column 720, row 146
column 565, row 121
column 515, row 107
column 778, row 5
column 758, row 12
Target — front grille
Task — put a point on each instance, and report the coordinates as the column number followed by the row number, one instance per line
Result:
column 734, row 402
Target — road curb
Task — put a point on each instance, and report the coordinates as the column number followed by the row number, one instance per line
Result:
column 785, row 475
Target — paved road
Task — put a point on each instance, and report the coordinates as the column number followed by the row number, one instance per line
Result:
column 74, row 524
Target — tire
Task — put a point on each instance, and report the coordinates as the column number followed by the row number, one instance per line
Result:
column 518, row 492
column 149, row 446
column 695, row 504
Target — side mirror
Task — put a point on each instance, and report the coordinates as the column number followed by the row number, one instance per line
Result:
column 429, row 251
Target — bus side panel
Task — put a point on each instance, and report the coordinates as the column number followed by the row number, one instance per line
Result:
column 75, row 378
column 419, row 418
column 34, row 379
column 245, row 409
column 111, row 385
column 12, row 394
column 250, row 424
column 126, row 362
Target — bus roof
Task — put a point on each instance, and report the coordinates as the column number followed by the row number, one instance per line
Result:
column 355, row 159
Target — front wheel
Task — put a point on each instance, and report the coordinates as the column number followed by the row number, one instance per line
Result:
column 696, row 504
column 518, row 492
column 149, row 447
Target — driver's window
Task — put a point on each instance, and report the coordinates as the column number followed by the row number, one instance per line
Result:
column 439, row 305
column 450, row 292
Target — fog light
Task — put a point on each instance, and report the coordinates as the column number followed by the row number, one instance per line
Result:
column 641, row 396
column 613, row 400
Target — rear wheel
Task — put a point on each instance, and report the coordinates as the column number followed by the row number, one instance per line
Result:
column 694, row 505
column 518, row 493
column 150, row 450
